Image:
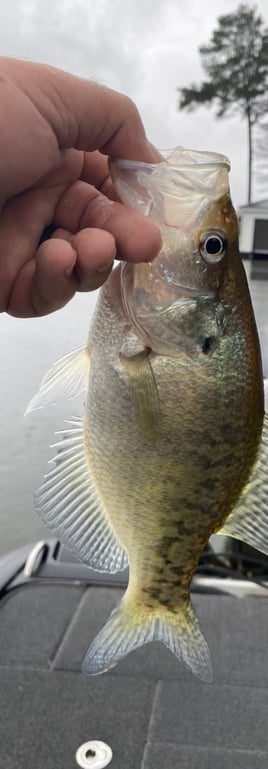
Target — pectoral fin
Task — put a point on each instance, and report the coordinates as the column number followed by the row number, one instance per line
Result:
column 249, row 520
column 67, row 378
column 144, row 394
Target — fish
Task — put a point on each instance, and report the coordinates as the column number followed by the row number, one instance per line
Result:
column 172, row 446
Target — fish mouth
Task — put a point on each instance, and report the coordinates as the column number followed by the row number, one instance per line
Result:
column 163, row 189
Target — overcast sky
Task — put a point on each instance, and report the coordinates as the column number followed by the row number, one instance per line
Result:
column 146, row 48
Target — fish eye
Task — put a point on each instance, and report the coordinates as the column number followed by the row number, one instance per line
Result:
column 213, row 246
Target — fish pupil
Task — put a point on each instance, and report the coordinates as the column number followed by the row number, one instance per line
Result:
column 214, row 245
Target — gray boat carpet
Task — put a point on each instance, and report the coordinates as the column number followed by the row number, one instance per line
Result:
column 149, row 709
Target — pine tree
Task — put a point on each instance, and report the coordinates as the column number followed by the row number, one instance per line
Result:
column 236, row 64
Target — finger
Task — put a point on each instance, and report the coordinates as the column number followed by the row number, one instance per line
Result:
column 95, row 251
column 63, row 265
column 137, row 239
column 82, row 113
column 22, row 221
column 96, row 172
column 46, row 282
column 62, row 269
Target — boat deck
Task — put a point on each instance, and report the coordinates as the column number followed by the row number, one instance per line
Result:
column 151, row 711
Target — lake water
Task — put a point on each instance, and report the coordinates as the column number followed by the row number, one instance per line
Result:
column 28, row 349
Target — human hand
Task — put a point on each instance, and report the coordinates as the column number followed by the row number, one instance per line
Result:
column 56, row 133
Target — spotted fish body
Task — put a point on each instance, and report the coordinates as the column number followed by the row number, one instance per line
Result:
column 173, row 442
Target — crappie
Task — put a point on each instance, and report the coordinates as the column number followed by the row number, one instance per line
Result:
column 173, row 443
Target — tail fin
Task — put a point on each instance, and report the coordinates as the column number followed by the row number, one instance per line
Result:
column 127, row 629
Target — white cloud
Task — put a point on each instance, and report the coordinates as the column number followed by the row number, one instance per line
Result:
column 147, row 49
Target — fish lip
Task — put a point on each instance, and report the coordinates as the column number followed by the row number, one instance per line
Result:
column 195, row 160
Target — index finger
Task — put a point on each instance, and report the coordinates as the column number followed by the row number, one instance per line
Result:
column 103, row 119
column 82, row 113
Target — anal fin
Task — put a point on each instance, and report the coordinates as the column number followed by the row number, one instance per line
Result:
column 249, row 519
